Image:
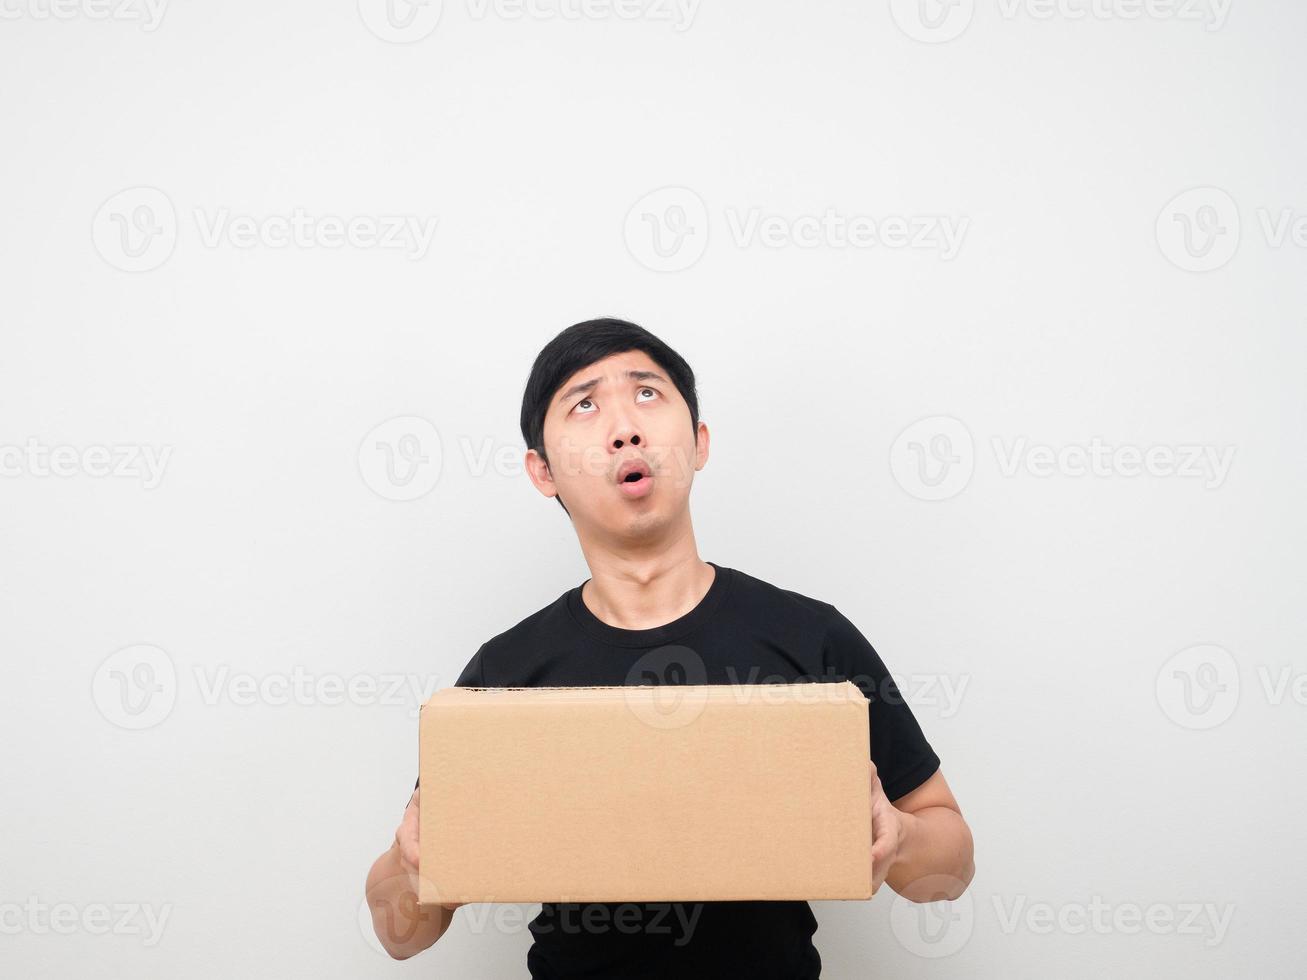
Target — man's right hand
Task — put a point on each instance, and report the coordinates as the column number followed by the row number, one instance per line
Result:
column 403, row 925
column 406, row 837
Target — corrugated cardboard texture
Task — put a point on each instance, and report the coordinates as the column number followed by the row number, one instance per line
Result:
column 654, row 793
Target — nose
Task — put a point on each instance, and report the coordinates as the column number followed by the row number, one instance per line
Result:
column 634, row 441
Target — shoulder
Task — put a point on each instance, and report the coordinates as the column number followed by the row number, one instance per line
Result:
column 776, row 601
column 527, row 634
column 804, row 619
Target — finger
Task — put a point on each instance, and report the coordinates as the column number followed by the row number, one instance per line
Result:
column 876, row 835
column 878, row 814
column 881, row 842
column 411, row 852
column 408, row 837
column 409, row 821
column 405, row 852
column 877, row 874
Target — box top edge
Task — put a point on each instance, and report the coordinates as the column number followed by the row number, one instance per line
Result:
column 823, row 692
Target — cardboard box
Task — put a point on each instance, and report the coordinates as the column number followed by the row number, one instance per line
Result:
column 645, row 793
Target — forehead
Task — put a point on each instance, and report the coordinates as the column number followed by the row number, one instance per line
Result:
column 611, row 368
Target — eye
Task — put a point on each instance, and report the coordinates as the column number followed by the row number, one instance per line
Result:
column 588, row 401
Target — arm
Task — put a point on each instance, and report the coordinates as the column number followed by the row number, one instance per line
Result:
column 404, row 928
column 921, row 844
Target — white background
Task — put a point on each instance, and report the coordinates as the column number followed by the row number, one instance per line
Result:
column 1099, row 759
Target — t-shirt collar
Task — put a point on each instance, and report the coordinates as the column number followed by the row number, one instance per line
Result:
column 681, row 626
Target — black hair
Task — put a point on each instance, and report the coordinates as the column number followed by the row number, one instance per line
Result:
column 582, row 344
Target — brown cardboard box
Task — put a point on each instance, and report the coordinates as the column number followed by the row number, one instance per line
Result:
column 645, row 793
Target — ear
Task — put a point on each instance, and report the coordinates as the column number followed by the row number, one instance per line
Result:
column 700, row 445
column 538, row 470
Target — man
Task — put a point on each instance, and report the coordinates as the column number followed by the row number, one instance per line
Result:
column 611, row 421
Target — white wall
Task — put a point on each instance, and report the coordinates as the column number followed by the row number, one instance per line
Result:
column 1068, row 308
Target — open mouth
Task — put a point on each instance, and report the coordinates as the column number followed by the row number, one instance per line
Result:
column 635, row 479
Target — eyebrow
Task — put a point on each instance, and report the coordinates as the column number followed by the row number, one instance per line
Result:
column 584, row 386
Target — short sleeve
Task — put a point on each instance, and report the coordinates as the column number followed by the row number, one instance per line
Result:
column 903, row 756
column 474, row 675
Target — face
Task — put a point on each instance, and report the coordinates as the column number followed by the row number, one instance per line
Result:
column 620, row 413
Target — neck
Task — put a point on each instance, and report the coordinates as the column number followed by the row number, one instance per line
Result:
column 641, row 591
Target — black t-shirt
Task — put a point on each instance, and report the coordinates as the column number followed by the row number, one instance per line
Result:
column 744, row 631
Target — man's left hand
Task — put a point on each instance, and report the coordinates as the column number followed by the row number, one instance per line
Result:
column 886, row 832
